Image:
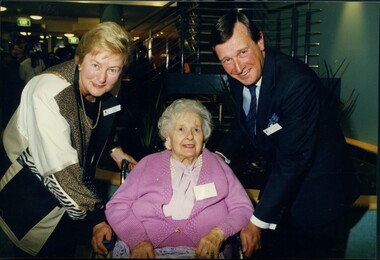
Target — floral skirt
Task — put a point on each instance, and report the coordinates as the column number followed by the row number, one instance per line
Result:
column 121, row 250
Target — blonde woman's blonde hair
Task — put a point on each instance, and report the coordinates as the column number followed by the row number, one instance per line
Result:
column 106, row 36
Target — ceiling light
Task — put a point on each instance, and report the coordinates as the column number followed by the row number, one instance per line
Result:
column 2, row 8
column 69, row 35
column 36, row 17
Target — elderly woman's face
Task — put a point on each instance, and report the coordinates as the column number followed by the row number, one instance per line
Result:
column 99, row 73
column 186, row 138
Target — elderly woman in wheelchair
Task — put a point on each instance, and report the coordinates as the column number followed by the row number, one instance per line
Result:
column 182, row 202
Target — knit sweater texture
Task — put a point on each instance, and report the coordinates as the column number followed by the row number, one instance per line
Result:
column 135, row 210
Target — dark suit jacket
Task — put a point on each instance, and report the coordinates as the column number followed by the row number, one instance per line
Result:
column 310, row 175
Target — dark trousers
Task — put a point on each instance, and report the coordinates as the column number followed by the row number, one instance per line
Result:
column 63, row 241
column 291, row 242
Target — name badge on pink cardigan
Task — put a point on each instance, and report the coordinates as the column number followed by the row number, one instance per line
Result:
column 205, row 191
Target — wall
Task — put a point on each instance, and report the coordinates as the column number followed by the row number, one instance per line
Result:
column 361, row 243
column 350, row 30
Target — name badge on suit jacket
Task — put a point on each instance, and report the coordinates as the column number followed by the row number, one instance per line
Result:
column 273, row 126
column 272, row 129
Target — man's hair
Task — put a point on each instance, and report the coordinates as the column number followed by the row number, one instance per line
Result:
column 224, row 28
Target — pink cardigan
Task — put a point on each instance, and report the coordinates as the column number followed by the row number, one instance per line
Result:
column 135, row 210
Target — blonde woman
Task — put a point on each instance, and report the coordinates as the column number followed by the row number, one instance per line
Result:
column 53, row 143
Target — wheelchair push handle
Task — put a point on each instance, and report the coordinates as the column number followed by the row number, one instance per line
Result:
column 124, row 170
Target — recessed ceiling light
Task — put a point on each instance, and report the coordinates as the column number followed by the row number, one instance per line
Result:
column 2, row 8
column 36, row 17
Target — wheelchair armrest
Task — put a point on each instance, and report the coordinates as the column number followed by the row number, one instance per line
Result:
column 110, row 244
column 232, row 247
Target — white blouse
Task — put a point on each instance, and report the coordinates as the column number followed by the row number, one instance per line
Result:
column 184, row 179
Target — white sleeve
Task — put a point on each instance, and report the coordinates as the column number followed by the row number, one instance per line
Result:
column 47, row 130
column 261, row 224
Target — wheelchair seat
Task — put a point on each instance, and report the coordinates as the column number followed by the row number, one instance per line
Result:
column 231, row 249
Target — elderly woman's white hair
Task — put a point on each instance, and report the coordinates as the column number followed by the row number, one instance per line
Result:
column 179, row 107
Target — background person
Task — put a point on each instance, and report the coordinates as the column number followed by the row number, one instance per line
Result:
column 182, row 196
column 310, row 185
column 53, row 143
column 10, row 83
column 32, row 65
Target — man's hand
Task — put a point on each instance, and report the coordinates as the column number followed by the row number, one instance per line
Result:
column 250, row 237
column 100, row 232
column 143, row 250
column 209, row 245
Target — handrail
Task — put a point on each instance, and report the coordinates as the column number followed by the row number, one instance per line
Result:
column 150, row 16
column 170, row 22
column 362, row 145
column 178, row 17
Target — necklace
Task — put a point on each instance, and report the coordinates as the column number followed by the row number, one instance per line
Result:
column 85, row 114
column 199, row 166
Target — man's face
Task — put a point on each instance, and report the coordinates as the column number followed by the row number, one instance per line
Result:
column 241, row 57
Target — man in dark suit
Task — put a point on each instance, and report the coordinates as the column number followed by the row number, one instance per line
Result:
column 310, row 184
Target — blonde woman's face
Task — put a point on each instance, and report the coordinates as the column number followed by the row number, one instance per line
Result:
column 186, row 138
column 99, row 73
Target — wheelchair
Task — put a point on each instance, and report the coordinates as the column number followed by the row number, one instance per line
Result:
column 230, row 249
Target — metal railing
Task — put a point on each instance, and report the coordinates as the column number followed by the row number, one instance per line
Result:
column 287, row 28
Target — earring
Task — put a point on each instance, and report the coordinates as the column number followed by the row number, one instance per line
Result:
column 167, row 144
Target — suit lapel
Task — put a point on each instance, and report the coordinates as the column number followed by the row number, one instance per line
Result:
column 265, row 98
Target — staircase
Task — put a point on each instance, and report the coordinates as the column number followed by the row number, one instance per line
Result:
column 187, row 67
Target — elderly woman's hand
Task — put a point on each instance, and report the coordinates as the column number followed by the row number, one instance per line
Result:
column 143, row 250
column 209, row 245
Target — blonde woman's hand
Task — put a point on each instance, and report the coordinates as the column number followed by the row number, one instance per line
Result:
column 118, row 155
column 100, row 232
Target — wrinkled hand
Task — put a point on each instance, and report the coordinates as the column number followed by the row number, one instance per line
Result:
column 209, row 245
column 250, row 237
column 118, row 155
column 100, row 232
column 143, row 250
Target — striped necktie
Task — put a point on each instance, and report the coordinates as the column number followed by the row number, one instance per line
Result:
column 251, row 116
